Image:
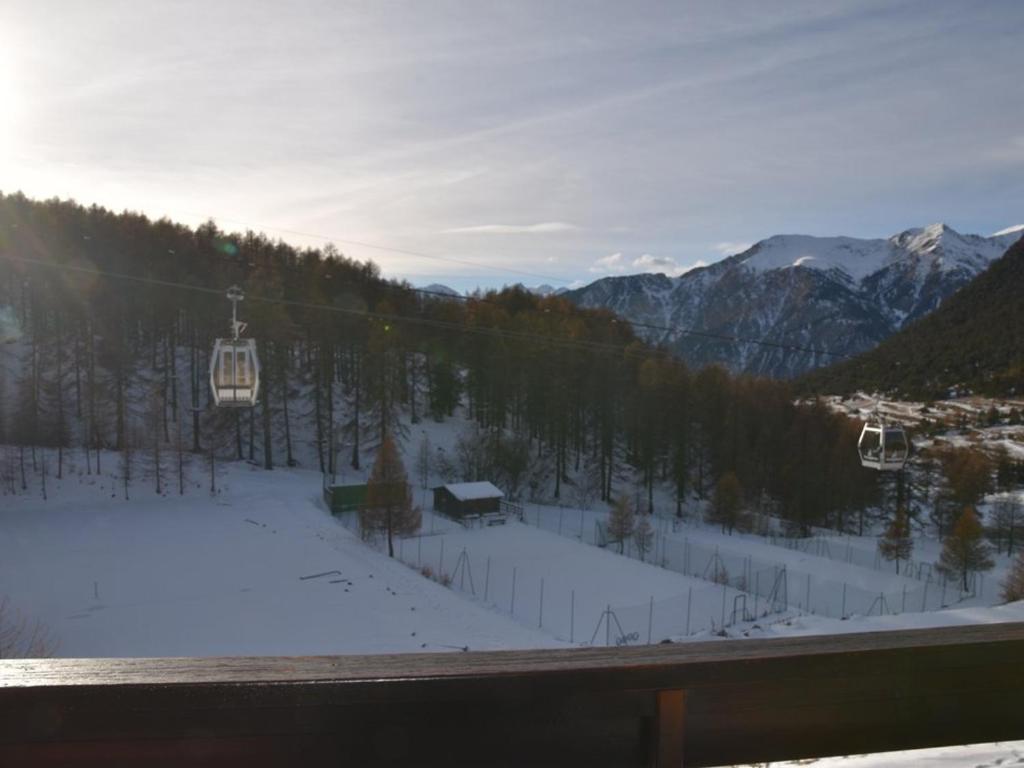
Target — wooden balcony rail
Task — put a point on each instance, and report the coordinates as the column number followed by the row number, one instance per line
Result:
column 706, row 703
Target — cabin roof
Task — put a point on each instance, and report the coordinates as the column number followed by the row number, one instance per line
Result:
column 471, row 491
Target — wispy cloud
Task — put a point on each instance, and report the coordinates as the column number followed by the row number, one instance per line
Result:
column 544, row 227
column 730, row 247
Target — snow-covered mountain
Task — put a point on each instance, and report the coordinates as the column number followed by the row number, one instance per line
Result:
column 440, row 289
column 831, row 295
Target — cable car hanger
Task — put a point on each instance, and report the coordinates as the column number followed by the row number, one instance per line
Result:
column 882, row 446
column 234, row 364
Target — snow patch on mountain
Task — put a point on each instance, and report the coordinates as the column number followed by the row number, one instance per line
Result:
column 813, row 299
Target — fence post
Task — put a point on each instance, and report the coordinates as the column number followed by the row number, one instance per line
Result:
column 903, row 607
column 572, row 615
column 419, row 551
column 540, row 617
column 650, row 620
column 581, row 525
column 487, row 578
column 809, row 594
column 689, row 600
column 608, row 625
column 440, row 560
column 401, row 548
column 724, row 590
column 560, row 521
column 512, row 608
column 924, row 596
column 842, row 614
column 757, row 590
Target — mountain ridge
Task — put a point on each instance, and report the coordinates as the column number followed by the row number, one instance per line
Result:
column 824, row 297
column 974, row 340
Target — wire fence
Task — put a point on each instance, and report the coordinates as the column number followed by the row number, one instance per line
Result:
column 576, row 613
column 737, row 587
column 775, row 583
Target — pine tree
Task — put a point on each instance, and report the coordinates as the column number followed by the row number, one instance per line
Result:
column 896, row 543
column 965, row 551
column 621, row 521
column 1013, row 587
column 388, row 507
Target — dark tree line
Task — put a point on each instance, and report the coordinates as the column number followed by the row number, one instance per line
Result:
column 566, row 401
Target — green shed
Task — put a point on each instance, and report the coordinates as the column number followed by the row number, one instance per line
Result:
column 345, row 498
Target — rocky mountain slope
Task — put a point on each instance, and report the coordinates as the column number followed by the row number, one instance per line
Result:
column 829, row 296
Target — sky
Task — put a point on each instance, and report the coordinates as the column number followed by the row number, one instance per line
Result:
column 522, row 141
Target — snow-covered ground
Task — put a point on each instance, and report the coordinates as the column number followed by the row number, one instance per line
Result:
column 200, row 575
column 1007, row 753
column 196, row 576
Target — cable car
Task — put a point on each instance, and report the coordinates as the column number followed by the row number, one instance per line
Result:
column 882, row 446
column 234, row 364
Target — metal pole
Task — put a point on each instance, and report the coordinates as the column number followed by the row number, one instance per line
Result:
column 808, row 593
column 487, row 578
column 608, row 625
column 572, row 616
column 689, row 600
column 440, row 561
column 512, row 607
column 903, row 607
column 924, row 597
column 540, row 617
column 842, row 614
column 723, row 606
column 650, row 620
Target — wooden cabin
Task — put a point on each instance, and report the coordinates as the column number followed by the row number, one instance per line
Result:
column 459, row 500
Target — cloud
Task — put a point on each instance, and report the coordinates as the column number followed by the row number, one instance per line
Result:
column 617, row 264
column 513, row 229
column 608, row 264
column 730, row 247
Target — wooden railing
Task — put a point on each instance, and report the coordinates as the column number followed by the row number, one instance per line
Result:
column 708, row 703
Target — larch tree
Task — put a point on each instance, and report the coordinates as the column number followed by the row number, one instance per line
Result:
column 643, row 536
column 1006, row 523
column 727, row 504
column 965, row 551
column 1013, row 587
column 388, row 508
column 621, row 521
column 896, row 544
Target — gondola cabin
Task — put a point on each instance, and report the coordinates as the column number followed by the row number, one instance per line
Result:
column 460, row 500
column 883, row 446
column 234, row 373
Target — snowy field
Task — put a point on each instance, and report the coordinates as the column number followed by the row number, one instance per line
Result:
column 202, row 575
column 199, row 576
column 262, row 568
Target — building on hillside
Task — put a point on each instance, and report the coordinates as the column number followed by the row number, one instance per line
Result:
column 461, row 500
column 345, row 498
